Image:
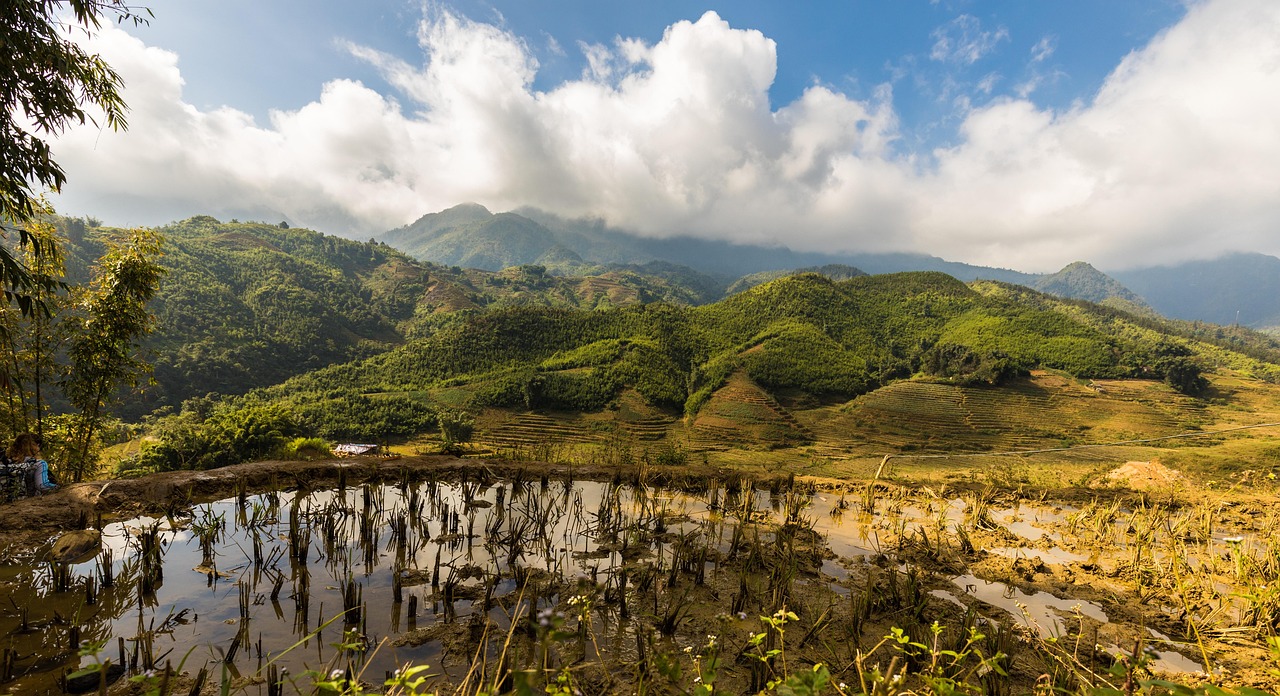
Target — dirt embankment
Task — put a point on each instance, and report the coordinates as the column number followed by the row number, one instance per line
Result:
column 32, row 521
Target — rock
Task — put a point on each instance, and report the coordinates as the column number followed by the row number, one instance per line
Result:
column 76, row 547
column 87, row 683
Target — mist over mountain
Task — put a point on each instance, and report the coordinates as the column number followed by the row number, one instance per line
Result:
column 1238, row 288
column 471, row 235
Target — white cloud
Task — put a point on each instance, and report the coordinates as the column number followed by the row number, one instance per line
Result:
column 988, row 83
column 964, row 42
column 599, row 61
column 1044, row 49
column 1176, row 156
column 554, row 47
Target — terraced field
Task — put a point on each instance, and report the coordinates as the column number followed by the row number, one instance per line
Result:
column 742, row 414
column 935, row 431
column 1045, row 410
column 514, row 431
column 533, row 433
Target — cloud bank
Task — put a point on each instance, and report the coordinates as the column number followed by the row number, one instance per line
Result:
column 1177, row 156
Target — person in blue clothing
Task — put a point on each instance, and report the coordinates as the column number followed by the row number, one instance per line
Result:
column 25, row 453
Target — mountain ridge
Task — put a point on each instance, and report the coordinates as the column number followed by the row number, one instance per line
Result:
column 1211, row 290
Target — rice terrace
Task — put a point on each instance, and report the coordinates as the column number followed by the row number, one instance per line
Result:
column 605, row 567
column 491, row 347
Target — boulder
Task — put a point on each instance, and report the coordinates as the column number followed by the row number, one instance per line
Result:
column 76, row 547
column 87, row 683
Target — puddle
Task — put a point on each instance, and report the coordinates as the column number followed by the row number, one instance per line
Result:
column 1038, row 610
column 948, row 596
column 1171, row 661
column 1026, row 522
column 293, row 560
column 1054, row 555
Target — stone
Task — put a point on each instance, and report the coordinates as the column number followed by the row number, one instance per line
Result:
column 76, row 547
column 87, row 683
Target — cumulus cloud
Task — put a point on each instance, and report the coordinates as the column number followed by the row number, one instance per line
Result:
column 1176, row 156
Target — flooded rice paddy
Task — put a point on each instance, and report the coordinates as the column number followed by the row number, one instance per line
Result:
column 608, row 581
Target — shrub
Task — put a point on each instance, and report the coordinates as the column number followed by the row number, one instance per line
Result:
column 307, row 448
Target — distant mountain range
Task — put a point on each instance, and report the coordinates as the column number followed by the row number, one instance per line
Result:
column 468, row 235
column 1241, row 288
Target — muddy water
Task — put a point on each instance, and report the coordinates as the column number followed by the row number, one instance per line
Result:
column 290, row 557
column 245, row 578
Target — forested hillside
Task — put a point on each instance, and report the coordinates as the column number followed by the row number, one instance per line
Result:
column 247, row 305
column 801, row 334
column 834, row 271
column 1238, row 288
column 298, row 333
column 1080, row 281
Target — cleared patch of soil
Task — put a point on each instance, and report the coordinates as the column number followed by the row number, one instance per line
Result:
column 1145, row 476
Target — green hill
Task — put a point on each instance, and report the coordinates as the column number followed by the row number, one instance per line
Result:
column 834, row 271
column 247, row 305
column 1081, row 281
column 801, row 335
column 1235, row 289
column 470, row 236
column 803, row 361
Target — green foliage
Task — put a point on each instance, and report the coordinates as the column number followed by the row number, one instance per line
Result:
column 1141, row 340
column 247, row 305
column 103, row 349
column 590, row 355
column 585, row 390
column 31, row 335
column 230, row 434
column 456, row 428
column 50, row 82
column 1032, row 337
column 801, row 356
column 708, row 378
column 345, row 416
column 306, row 448
column 834, row 271
column 1173, row 362
column 805, row 333
column 962, row 365
column 1184, row 375
column 1084, row 282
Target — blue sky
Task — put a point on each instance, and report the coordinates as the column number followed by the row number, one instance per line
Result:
column 1017, row 133
column 258, row 56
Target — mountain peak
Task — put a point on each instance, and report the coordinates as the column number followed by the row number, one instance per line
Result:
column 1081, row 281
column 466, row 208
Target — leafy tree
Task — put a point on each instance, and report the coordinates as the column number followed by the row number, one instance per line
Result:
column 47, row 82
column 1174, row 362
column 230, row 434
column 456, row 428
column 1184, row 375
column 961, row 365
column 27, row 339
column 103, row 348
